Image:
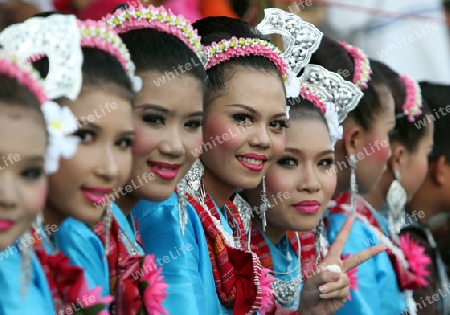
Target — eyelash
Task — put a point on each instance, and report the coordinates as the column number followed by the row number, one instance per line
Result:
column 284, row 162
column 82, row 135
column 128, row 143
column 243, row 118
column 194, row 124
column 33, row 173
column 153, row 119
column 279, row 124
column 326, row 163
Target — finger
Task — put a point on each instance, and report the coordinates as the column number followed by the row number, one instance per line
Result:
column 361, row 257
column 335, row 286
column 321, row 278
column 340, row 240
column 341, row 294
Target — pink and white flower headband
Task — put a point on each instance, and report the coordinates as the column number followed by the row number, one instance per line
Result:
column 413, row 98
column 362, row 71
column 160, row 19
column 241, row 47
column 23, row 73
column 96, row 34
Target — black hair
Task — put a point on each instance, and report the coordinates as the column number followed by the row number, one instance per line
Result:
column 99, row 68
column 437, row 96
column 405, row 132
column 12, row 93
column 153, row 50
column 215, row 29
column 333, row 57
column 301, row 108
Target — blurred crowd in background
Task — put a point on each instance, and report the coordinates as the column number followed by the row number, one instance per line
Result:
column 412, row 36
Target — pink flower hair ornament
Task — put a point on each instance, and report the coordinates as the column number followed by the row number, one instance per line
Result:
column 413, row 98
column 362, row 71
column 160, row 19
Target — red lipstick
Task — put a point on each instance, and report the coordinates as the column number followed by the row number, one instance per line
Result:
column 252, row 161
column 166, row 171
column 308, row 206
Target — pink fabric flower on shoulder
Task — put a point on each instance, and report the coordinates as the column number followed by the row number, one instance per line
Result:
column 416, row 257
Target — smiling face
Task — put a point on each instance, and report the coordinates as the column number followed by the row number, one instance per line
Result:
column 22, row 177
column 301, row 182
column 103, row 159
column 243, row 130
column 167, row 120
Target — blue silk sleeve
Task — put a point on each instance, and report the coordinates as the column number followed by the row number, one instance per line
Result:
column 184, row 259
column 84, row 249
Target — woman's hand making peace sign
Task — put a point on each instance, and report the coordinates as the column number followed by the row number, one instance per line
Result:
column 327, row 291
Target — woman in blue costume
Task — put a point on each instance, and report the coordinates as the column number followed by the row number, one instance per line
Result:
column 244, row 126
column 407, row 169
column 102, row 134
column 361, row 158
column 300, row 186
column 22, row 190
column 168, row 119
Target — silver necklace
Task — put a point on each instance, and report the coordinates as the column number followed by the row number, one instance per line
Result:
column 286, row 292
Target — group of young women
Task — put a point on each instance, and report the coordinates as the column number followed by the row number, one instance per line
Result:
column 154, row 166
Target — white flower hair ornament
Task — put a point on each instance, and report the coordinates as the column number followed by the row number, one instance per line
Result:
column 335, row 129
column 58, row 38
column 61, row 123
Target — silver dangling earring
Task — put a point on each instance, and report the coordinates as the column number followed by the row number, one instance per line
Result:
column 26, row 250
column 353, row 186
column 107, row 221
column 182, row 211
column 318, row 240
column 265, row 204
column 396, row 200
column 37, row 225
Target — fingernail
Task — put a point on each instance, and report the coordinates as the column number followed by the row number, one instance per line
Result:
column 323, row 289
column 335, row 276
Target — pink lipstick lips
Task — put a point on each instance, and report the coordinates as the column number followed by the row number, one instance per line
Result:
column 96, row 195
column 253, row 162
column 308, row 206
column 166, row 171
column 6, row 224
